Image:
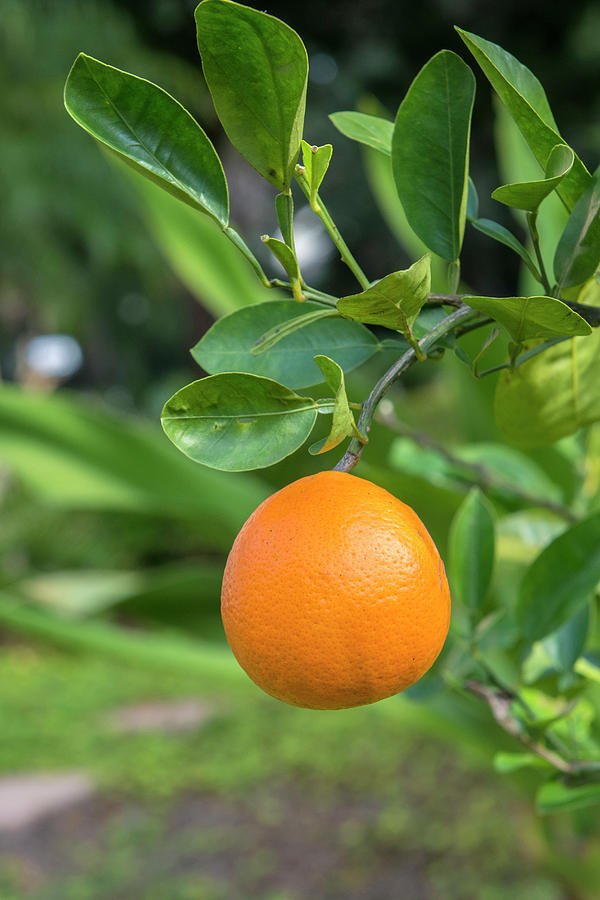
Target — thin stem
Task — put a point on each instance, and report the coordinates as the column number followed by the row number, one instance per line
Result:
column 523, row 357
column 241, row 245
column 311, row 293
column 535, row 239
column 355, row 448
column 481, row 476
column 319, row 208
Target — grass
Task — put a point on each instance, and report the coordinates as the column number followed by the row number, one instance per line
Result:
column 263, row 801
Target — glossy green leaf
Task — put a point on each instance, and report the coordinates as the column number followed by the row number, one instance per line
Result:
column 284, row 254
column 527, row 103
column 559, row 651
column 72, row 453
column 501, row 234
column 560, row 579
column 373, row 131
column 342, row 423
column 555, row 796
column 528, row 195
column 211, row 268
column 471, row 550
column 578, row 251
column 227, row 345
column 395, row 301
column 531, row 318
column 316, row 162
column 150, row 131
column 430, row 152
column 237, row 421
column 256, row 68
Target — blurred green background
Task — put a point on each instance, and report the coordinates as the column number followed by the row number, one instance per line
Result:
column 112, row 544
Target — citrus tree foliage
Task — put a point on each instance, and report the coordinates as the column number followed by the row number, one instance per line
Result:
column 525, row 646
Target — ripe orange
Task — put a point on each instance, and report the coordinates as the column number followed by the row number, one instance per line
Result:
column 334, row 594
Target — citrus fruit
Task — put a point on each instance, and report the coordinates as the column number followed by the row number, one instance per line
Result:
column 334, row 594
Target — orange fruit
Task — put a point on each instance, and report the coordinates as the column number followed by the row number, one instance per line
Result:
column 334, row 594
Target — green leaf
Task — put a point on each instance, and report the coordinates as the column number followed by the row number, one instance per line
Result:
column 272, row 337
column 559, row 651
column 150, row 131
column 504, row 236
column 560, row 579
column 430, row 152
column 578, row 252
column 531, row 318
column 505, row 763
column 73, row 454
column 373, row 131
column 227, row 345
column 553, row 394
column 528, row 195
column 284, row 205
column 283, row 253
column 471, row 550
column 554, row 796
column 527, row 103
column 256, row 68
column 237, row 421
column 395, row 301
column 472, row 200
column 342, row 424
column 316, row 162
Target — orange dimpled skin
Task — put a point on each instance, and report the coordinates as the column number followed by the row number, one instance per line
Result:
column 334, row 594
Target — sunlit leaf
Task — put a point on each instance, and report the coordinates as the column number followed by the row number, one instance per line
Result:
column 374, row 131
column 578, row 251
column 236, row 421
column 342, row 423
column 531, row 318
column 149, row 130
column 471, row 550
column 555, row 796
column 528, row 195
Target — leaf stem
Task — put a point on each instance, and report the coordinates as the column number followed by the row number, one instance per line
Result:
column 355, row 448
column 310, row 293
column 535, row 239
column 319, row 208
column 241, row 245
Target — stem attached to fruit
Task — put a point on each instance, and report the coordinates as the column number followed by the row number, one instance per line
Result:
column 355, row 448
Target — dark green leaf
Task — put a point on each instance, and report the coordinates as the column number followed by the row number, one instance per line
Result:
column 227, row 345
column 374, row 131
column 471, row 550
column 395, row 301
column 528, row 195
column 430, row 152
column 237, row 421
column 554, row 796
column 560, row 579
column 503, row 236
column 527, row 103
column 531, row 318
column 150, row 130
column 316, row 162
column 342, row 424
column 578, row 252
column 256, row 68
